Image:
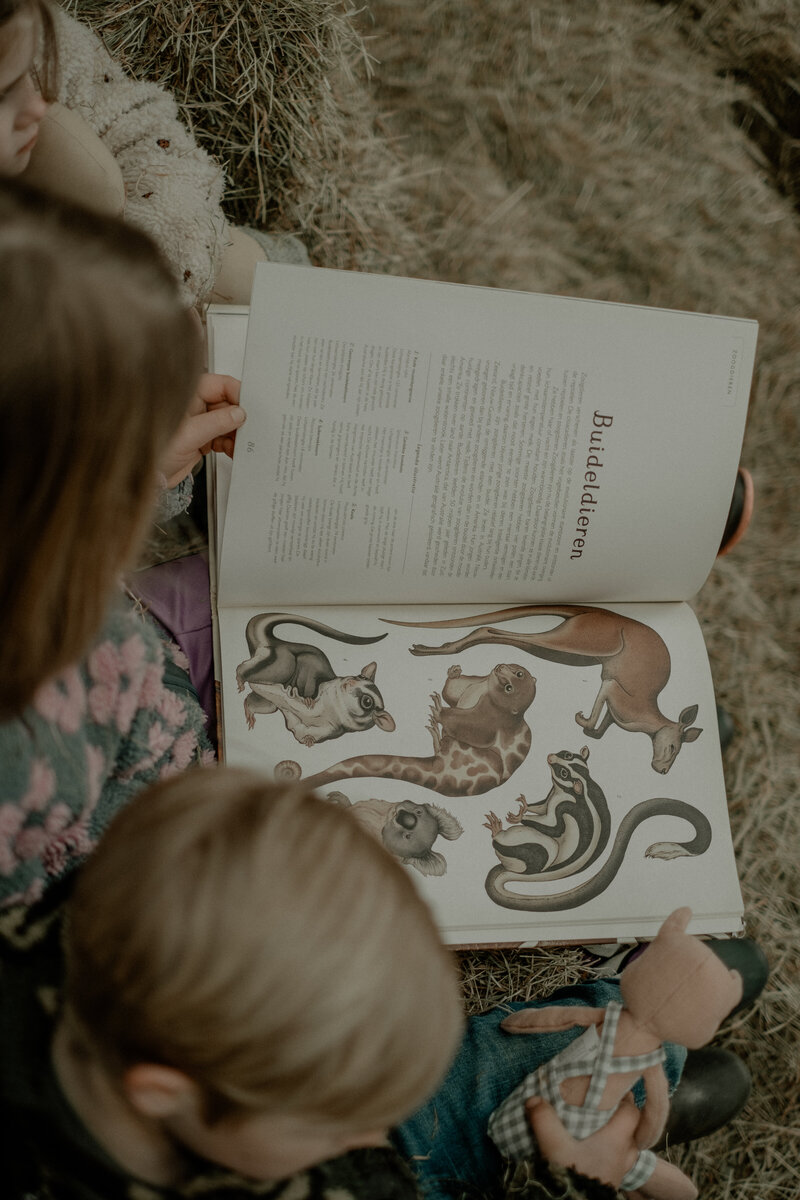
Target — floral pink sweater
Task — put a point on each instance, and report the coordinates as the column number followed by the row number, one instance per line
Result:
column 92, row 738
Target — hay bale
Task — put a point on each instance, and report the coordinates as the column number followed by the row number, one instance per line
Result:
column 758, row 44
column 278, row 94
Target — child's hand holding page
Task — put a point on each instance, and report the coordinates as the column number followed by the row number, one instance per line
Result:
column 210, row 424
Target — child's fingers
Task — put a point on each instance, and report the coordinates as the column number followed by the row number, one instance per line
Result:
column 625, row 1119
column 217, row 423
column 224, row 446
column 212, row 392
column 218, row 389
column 554, row 1140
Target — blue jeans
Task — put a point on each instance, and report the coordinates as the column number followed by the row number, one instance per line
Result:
column 445, row 1141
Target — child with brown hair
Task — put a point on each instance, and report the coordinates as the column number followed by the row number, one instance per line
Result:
column 72, row 122
column 100, row 394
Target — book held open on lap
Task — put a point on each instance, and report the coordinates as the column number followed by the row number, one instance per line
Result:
column 450, row 574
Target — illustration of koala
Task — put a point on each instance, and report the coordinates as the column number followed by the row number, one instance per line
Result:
column 407, row 829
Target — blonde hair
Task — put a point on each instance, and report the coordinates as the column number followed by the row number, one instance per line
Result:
column 98, row 365
column 255, row 938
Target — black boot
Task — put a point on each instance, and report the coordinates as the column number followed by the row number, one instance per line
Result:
column 727, row 729
column 715, row 1083
column 739, row 954
column 745, row 956
column 740, row 512
column 714, row 1088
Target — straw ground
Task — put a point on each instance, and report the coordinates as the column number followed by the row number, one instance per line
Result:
column 619, row 149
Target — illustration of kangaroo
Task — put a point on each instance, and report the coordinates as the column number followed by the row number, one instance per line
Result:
column 478, row 742
column 635, row 666
column 568, row 831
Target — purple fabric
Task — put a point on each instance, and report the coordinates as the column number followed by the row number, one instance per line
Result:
column 177, row 595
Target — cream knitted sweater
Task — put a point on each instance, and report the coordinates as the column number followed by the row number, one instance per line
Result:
column 173, row 189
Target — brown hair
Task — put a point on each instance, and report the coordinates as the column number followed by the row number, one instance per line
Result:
column 255, row 938
column 47, row 64
column 98, row 364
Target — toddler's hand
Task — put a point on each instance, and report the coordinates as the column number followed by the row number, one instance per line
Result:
column 606, row 1155
column 210, row 423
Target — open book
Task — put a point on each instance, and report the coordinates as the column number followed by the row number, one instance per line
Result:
column 451, row 572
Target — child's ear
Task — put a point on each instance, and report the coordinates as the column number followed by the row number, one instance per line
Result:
column 157, row 1091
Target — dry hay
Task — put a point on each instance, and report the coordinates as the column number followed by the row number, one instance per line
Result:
column 618, row 149
column 594, row 149
column 276, row 91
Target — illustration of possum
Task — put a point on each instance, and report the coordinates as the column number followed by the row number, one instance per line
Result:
column 298, row 679
column 568, row 831
column 478, row 741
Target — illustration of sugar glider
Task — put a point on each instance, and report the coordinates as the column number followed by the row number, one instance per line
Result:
column 634, row 660
column 568, row 831
column 478, row 741
column 298, row 680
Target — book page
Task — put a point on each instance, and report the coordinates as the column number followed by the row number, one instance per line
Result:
column 226, row 330
column 226, row 326
column 519, row 821
column 425, row 442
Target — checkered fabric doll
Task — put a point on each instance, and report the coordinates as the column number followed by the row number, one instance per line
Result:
column 677, row 990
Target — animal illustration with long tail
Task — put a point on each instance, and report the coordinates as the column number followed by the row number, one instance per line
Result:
column 297, row 680
column 568, row 832
column 480, row 738
column 634, row 660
